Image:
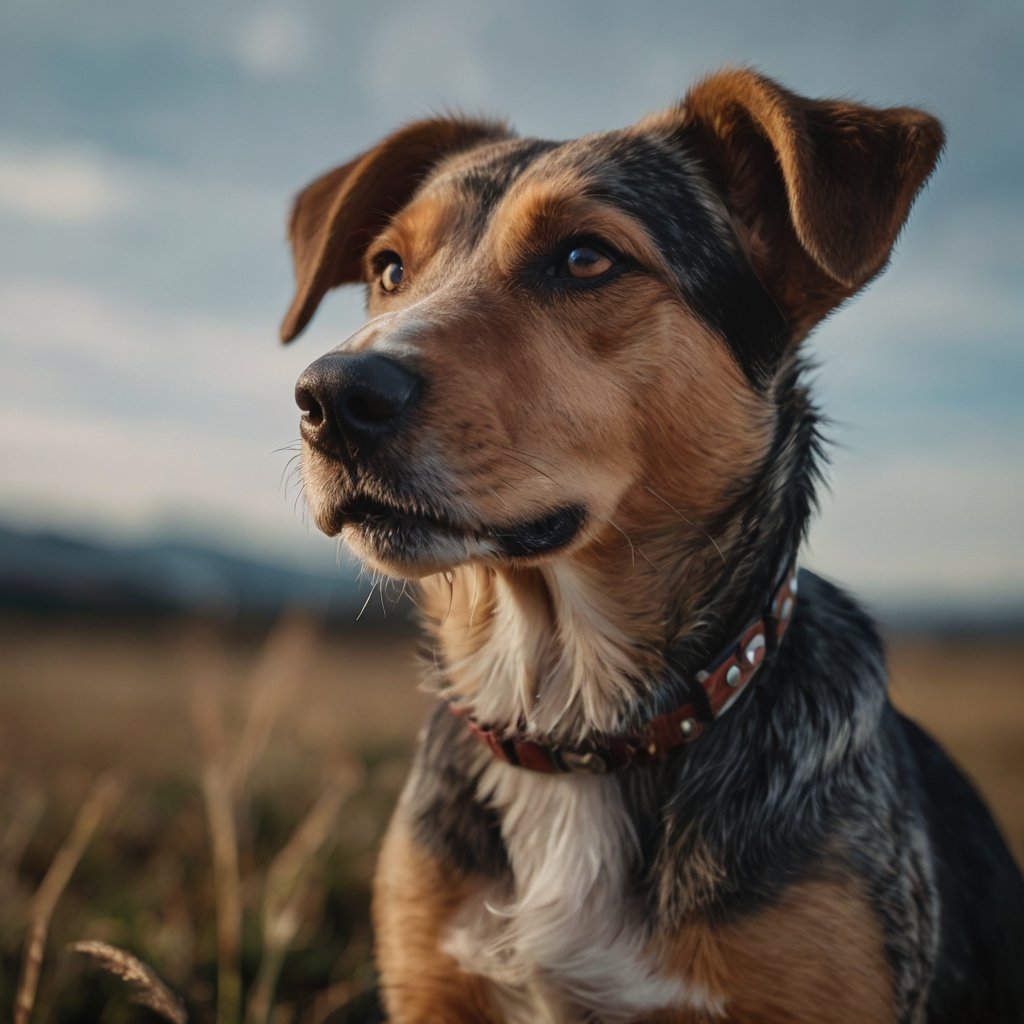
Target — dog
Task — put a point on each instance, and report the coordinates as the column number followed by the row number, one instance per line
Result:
column 663, row 781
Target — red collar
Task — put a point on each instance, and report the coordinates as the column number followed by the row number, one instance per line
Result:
column 722, row 681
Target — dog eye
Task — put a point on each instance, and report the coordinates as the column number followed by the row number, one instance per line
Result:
column 393, row 273
column 583, row 263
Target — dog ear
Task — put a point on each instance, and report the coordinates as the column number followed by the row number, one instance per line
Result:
column 820, row 188
column 335, row 217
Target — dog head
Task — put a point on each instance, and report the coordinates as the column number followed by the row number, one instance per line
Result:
column 573, row 342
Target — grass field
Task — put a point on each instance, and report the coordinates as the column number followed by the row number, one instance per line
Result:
column 248, row 777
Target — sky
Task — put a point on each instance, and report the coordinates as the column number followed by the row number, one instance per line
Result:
column 149, row 152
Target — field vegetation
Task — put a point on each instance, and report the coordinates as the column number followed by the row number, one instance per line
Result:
column 189, row 812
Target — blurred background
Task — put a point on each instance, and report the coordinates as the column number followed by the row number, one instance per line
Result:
column 204, row 712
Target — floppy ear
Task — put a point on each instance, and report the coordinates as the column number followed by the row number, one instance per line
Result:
column 820, row 188
column 336, row 216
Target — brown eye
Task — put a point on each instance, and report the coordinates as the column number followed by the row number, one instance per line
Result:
column 585, row 263
column 392, row 274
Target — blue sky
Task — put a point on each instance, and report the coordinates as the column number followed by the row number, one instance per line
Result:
column 148, row 154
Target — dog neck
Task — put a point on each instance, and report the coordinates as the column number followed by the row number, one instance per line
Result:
column 597, row 641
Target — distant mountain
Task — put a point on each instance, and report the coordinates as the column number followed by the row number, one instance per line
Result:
column 48, row 571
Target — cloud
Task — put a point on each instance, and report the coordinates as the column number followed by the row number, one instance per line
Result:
column 273, row 41
column 934, row 344
column 83, row 187
column 921, row 376
column 932, row 523
column 438, row 47
column 95, row 471
column 111, row 413
column 156, row 234
column 110, row 410
column 60, row 185
column 143, row 364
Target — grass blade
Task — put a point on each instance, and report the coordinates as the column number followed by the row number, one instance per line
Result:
column 105, row 793
column 147, row 989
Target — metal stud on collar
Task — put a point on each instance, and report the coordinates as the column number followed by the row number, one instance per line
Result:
column 755, row 649
column 588, row 761
column 688, row 726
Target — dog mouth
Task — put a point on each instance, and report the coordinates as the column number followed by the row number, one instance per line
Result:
column 418, row 537
column 542, row 535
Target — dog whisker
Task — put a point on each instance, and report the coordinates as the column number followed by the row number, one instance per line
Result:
column 373, row 586
column 686, row 519
column 449, row 578
column 501, row 500
column 291, row 472
column 634, row 549
column 526, row 460
column 299, row 498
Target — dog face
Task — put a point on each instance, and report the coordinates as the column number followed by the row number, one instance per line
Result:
column 558, row 364
column 571, row 342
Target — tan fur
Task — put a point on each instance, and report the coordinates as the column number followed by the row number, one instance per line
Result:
column 540, row 213
column 414, row 901
column 419, row 234
column 821, row 187
column 814, row 956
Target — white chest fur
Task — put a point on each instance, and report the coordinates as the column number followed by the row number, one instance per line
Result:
column 565, row 936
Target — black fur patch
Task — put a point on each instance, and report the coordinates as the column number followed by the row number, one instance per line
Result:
column 448, row 819
column 659, row 184
column 485, row 183
column 981, row 892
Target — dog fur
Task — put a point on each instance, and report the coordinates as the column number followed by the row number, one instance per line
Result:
column 603, row 453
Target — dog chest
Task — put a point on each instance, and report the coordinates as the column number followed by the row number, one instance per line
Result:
column 565, row 931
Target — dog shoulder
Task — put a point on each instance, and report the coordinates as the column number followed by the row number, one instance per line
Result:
column 416, row 896
column 816, row 953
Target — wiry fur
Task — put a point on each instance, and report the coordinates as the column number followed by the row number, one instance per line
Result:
column 600, row 485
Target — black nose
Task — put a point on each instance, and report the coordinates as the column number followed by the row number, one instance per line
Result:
column 351, row 399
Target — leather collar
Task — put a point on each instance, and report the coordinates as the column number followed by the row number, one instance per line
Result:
column 724, row 679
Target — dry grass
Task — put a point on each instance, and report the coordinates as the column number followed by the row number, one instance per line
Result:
column 969, row 694
column 262, row 892
column 146, row 988
column 101, row 799
column 261, row 771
